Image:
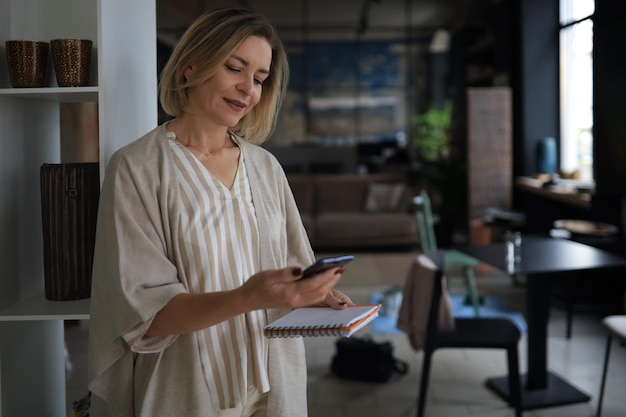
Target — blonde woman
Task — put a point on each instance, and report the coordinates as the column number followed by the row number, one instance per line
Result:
column 200, row 243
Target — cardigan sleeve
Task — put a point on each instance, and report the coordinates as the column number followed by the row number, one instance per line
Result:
column 133, row 278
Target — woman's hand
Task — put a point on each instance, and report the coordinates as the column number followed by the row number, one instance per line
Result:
column 284, row 288
column 337, row 300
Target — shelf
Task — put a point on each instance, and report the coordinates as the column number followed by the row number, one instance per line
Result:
column 566, row 195
column 57, row 94
column 39, row 308
column 123, row 74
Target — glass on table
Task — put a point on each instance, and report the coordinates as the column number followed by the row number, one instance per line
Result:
column 512, row 246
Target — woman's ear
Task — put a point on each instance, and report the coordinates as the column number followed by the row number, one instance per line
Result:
column 188, row 72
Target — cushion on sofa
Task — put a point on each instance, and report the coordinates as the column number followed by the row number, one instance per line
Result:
column 347, row 193
column 344, row 193
column 355, row 210
column 365, row 228
column 384, row 196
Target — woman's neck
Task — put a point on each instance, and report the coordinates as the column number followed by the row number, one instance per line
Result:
column 199, row 135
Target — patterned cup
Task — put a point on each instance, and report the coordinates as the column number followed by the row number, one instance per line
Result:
column 72, row 61
column 27, row 62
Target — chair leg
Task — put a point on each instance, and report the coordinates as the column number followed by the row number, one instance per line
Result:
column 421, row 401
column 515, row 389
column 604, row 372
column 472, row 291
column 568, row 330
column 570, row 304
column 569, row 311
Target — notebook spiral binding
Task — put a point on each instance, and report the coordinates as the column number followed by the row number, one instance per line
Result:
column 314, row 331
column 325, row 321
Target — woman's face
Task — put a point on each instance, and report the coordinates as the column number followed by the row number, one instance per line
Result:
column 236, row 87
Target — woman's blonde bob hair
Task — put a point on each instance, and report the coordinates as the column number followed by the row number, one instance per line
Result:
column 207, row 44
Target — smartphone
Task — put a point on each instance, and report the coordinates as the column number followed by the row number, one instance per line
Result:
column 323, row 264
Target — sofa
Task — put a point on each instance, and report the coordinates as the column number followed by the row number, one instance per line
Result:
column 356, row 211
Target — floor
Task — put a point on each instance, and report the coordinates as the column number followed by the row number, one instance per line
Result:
column 457, row 378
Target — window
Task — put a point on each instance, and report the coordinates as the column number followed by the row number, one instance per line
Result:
column 576, row 89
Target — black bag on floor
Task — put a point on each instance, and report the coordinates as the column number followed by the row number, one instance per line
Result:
column 364, row 359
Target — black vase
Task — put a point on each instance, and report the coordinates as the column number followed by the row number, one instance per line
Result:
column 69, row 208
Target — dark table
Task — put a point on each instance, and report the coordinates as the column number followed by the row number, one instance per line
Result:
column 541, row 259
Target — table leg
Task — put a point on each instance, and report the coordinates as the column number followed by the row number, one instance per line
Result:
column 538, row 289
column 540, row 388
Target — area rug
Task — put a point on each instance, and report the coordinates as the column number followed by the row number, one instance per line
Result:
column 491, row 307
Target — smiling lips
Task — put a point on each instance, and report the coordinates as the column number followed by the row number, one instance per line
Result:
column 236, row 103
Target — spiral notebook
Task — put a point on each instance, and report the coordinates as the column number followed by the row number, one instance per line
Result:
column 322, row 321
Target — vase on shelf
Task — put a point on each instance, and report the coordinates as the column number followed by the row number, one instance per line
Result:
column 27, row 62
column 72, row 61
column 69, row 206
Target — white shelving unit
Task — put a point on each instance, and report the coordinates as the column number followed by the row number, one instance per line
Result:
column 123, row 83
column 54, row 94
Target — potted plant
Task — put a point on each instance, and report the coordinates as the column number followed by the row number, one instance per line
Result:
column 440, row 166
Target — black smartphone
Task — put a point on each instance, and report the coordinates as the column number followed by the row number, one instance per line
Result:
column 323, row 264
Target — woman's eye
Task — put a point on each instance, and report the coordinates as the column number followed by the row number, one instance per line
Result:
column 233, row 69
column 258, row 81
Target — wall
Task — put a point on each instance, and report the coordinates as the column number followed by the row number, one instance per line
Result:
column 609, row 78
column 536, row 99
column 609, row 130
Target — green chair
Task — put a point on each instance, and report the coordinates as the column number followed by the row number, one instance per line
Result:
column 454, row 258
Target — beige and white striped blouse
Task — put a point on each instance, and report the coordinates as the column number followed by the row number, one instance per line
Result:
column 220, row 250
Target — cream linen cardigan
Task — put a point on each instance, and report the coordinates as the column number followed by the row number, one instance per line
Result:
column 137, row 270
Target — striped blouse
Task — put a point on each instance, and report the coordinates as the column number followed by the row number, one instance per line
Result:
column 220, row 249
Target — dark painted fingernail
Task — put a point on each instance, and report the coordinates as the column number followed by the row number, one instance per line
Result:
column 296, row 272
column 340, row 270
